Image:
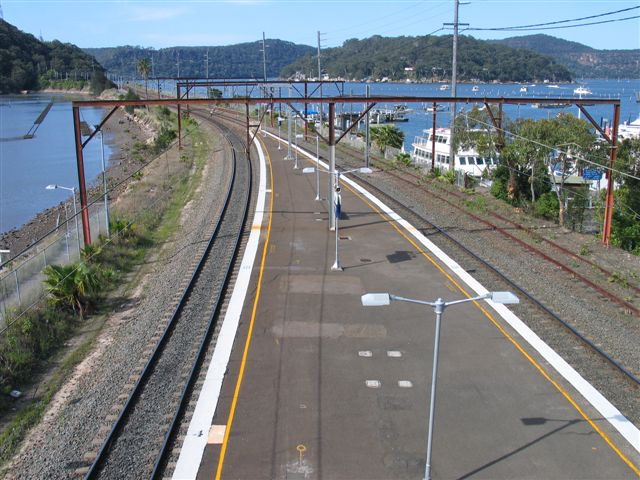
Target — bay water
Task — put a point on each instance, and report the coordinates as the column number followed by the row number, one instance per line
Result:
column 27, row 166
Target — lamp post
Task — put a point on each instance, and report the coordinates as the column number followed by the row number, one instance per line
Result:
column 75, row 208
column 337, row 201
column 379, row 299
column 317, row 168
column 104, row 184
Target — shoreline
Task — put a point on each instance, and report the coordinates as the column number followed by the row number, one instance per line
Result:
column 121, row 132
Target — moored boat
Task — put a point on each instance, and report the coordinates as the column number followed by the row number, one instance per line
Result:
column 467, row 160
column 582, row 91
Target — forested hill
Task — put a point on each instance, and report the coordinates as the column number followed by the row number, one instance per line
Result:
column 27, row 63
column 581, row 60
column 428, row 58
column 243, row 60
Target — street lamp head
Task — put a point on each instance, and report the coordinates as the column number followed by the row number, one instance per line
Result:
column 309, row 170
column 504, row 298
column 51, row 187
column 375, row 299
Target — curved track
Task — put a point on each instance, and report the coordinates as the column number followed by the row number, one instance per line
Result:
column 138, row 440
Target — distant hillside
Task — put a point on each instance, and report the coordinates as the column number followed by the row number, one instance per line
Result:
column 233, row 61
column 581, row 60
column 429, row 58
column 27, row 63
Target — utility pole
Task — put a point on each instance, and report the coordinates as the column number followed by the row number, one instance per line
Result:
column 320, row 80
column 264, row 58
column 206, row 68
column 319, row 70
column 178, row 61
column 454, row 80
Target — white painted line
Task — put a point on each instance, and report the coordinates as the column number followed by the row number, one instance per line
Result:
column 627, row 429
column 365, row 353
column 373, row 383
column 405, row 383
column 195, row 442
column 394, row 354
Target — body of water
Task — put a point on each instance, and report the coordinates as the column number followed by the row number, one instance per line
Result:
column 419, row 119
column 28, row 166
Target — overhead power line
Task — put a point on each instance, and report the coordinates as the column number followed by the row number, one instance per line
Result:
column 536, row 26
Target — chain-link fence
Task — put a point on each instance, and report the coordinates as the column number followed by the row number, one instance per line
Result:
column 21, row 281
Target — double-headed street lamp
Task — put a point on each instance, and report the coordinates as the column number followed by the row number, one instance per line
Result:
column 380, row 299
column 337, row 201
column 75, row 208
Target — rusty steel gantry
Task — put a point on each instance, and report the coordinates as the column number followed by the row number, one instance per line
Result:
column 370, row 101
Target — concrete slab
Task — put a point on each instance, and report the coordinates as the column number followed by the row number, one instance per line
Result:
column 321, row 397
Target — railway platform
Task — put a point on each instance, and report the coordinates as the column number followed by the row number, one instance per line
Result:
column 318, row 386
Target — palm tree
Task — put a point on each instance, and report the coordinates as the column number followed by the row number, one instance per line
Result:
column 387, row 136
column 72, row 286
column 144, row 68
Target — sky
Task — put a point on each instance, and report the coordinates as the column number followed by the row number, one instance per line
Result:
column 158, row 24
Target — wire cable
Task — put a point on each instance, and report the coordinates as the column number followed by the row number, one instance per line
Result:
column 546, row 25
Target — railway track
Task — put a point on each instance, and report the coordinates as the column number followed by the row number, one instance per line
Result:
column 139, row 440
column 616, row 379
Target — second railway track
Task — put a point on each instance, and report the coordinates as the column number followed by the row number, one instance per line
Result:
column 136, row 445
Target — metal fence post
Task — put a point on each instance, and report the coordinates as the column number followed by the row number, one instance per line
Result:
column 15, row 274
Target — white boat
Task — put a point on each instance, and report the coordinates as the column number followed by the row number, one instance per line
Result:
column 468, row 161
column 629, row 130
column 475, row 88
column 444, row 87
column 553, row 86
column 390, row 115
column 524, row 89
column 582, row 91
column 439, row 108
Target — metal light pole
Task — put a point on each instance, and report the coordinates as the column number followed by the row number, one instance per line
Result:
column 379, row 299
column 104, row 185
column 318, row 169
column 279, row 128
column 75, row 208
column 289, row 110
column 336, row 206
column 295, row 134
column 367, row 151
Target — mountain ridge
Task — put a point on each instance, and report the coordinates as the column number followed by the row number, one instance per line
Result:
column 580, row 59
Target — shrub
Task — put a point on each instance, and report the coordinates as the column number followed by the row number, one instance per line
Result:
column 547, row 206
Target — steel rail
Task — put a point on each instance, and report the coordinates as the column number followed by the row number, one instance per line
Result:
column 597, row 350
column 146, row 373
column 184, row 398
column 621, row 368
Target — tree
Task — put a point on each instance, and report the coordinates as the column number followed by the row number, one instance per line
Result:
column 625, row 227
column 387, row 136
column 144, row 68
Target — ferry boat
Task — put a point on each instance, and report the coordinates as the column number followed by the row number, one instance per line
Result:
column 475, row 88
column 467, row 161
column 524, row 89
column 444, row 87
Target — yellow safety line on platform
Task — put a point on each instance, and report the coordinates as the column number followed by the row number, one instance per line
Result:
column 542, row 371
column 247, row 344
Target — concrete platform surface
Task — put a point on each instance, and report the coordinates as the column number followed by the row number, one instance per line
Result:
column 327, row 388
